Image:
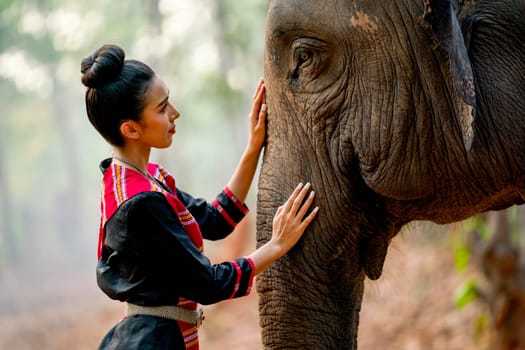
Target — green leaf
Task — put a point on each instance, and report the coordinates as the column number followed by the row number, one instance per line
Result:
column 477, row 223
column 481, row 326
column 461, row 256
column 464, row 294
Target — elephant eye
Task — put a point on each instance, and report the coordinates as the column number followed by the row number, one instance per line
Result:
column 308, row 56
column 303, row 56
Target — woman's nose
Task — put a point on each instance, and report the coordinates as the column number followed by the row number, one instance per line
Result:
column 174, row 113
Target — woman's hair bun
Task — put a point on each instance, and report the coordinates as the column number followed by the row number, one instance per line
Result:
column 102, row 66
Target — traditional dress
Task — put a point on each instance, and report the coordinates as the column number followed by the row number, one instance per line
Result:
column 151, row 254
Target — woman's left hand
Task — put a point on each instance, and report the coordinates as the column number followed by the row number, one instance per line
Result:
column 258, row 118
column 242, row 177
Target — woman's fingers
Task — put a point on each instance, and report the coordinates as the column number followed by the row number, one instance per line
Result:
column 297, row 205
column 292, row 218
column 306, row 205
column 257, row 90
column 289, row 202
column 299, row 198
column 261, row 120
column 262, row 112
column 259, row 96
column 308, row 219
column 258, row 107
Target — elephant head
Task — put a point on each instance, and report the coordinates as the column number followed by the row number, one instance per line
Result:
column 395, row 111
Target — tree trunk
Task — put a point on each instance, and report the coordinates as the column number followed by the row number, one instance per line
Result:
column 69, row 199
column 8, row 247
column 501, row 261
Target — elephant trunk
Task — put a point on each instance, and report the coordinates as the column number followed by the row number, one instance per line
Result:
column 298, row 317
column 311, row 297
column 303, row 304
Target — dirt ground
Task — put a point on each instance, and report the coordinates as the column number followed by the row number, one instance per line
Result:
column 409, row 308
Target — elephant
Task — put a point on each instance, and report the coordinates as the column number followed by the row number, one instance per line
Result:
column 395, row 111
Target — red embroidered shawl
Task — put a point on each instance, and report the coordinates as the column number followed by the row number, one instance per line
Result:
column 121, row 183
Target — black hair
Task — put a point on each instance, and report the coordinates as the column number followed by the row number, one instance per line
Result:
column 116, row 90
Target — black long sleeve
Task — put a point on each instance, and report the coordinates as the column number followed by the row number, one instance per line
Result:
column 148, row 259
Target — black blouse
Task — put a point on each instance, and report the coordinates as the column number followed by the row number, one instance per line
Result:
column 148, row 259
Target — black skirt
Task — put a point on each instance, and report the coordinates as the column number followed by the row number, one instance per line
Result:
column 140, row 332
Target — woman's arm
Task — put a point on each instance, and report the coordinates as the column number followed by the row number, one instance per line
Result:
column 216, row 219
column 242, row 177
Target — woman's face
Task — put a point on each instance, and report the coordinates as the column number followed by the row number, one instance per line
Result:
column 157, row 122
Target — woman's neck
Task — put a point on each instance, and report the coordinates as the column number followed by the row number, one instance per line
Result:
column 132, row 157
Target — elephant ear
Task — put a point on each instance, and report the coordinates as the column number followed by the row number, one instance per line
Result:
column 442, row 15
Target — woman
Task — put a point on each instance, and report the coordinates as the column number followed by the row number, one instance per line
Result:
column 150, row 244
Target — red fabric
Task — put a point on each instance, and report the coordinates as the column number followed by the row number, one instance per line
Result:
column 234, row 199
column 237, row 283
column 224, row 214
column 121, row 183
column 250, row 261
column 190, row 335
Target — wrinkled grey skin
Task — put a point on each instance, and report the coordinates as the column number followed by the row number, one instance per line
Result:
column 373, row 103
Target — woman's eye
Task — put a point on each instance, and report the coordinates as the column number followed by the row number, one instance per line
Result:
column 164, row 108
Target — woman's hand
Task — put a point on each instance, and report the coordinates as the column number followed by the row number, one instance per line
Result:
column 290, row 220
column 258, row 118
column 289, row 223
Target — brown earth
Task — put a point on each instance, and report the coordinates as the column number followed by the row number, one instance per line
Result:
column 409, row 308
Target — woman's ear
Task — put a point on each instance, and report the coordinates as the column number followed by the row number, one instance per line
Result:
column 130, row 129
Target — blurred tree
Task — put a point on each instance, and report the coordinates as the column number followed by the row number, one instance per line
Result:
column 8, row 247
column 496, row 243
column 500, row 259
